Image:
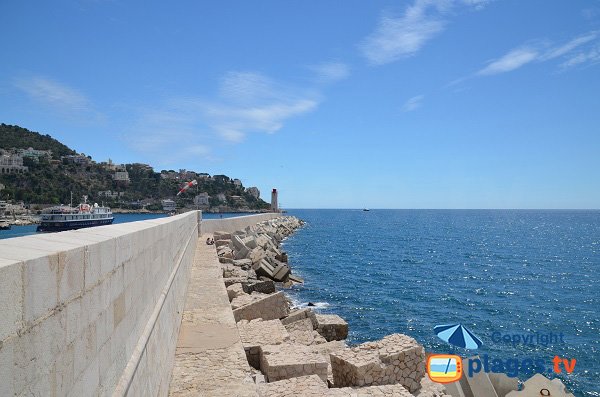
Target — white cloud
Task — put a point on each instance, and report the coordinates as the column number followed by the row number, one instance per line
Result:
column 521, row 56
column 52, row 93
column 413, row 103
column 514, row 59
column 403, row 36
column 568, row 47
column 592, row 56
column 246, row 102
column 330, row 72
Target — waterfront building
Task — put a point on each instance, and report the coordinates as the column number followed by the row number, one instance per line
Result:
column 110, row 194
column 202, row 199
column 254, row 192
column 168, row 205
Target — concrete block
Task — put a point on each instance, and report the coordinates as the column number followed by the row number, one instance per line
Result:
column 533, row 385
column 394, row 359
column 290, row 361
column 302, row 333
column 70, row 265
column 306, row 386
column 100, row 259
column 300, row 314
column 271, row 307
column 257, row 333
column 503, row 384
column 332, row 327
column 235, row 290
column 11, row 298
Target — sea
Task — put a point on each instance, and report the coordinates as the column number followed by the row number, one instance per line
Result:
column 19, row 231
column 523, row 275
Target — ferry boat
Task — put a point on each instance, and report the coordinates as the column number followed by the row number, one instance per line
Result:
column 56, row 219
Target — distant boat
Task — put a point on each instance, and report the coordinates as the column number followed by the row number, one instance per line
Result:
column 366, row 209
column 4, row 226
column 57, row 219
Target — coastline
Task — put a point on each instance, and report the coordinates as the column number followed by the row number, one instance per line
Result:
column 292, row 335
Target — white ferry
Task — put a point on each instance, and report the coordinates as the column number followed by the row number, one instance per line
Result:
column 56, row 219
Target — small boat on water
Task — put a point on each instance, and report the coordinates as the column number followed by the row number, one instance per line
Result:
column 4, row 226
column 366, row 209
column 60, row 218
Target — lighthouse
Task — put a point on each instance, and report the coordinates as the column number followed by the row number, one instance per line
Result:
column 274, row 206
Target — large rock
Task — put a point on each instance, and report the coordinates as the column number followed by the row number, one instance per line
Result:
column 221, row 236
column 271, row 307
column 289, row 361
column 533, row 385
column 263, row 286
column 275, row 270
column 396, row 358
column 256, row 255
column 222, row 243
column 332, row 327
column 257, row 333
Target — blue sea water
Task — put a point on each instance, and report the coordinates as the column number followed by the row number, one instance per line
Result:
column 19, row 231
column 505, row 271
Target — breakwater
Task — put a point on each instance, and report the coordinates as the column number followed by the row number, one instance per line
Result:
column 303, row 349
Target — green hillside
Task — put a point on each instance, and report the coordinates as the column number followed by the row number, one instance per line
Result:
column 51, row 182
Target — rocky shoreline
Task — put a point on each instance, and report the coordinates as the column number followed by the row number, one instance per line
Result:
column 297, row 351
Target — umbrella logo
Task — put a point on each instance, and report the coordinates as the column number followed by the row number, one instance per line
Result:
column 457, row 335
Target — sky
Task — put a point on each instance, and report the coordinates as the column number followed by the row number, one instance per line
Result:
column 337, row 104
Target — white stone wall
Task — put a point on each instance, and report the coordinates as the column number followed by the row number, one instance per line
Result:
column 231, row 225
column 94, row 311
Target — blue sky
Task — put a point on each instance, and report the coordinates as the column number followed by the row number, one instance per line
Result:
column 389, row 104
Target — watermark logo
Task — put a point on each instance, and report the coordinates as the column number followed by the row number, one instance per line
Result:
column 457, row 335
column 444, row 368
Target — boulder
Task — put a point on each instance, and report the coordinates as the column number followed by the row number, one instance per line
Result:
column 256, row 255
column 300, row 314
column 264, row 286
column 246, row 299
column 302, row 333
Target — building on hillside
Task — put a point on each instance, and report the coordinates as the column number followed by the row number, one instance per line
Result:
column 202, row 199
column 221, row 197
column 34, row 154
column 254, row 192
column 168, row 205
column 2, row 186
column 203, row 176
column 12, row 163
column 80, row 159
column 121, row 174
column 169, row 175
column 110, row 194
column 108, row 165
column 237, row 182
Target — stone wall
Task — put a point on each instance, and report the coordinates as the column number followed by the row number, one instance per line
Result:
column 94, row 311
column 230, row 225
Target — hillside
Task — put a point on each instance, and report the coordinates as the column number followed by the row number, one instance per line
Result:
column 12, row 136
column 51, row 180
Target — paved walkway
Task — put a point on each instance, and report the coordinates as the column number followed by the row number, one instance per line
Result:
column 210, row 358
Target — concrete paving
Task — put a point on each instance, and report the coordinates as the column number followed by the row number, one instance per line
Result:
column 210, row 358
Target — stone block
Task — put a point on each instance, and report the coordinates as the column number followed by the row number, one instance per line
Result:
column 256, row 255
column 263, row 286
column 305, row 386
column 235, row 290
column 300, row 314
column 40, row 284
column 533, row 385
column 257, row 333
column 221, row 243
column 271, row 307
column 302, row 333
column 11, row 298
column 243, row 263
column 246, row 299
column 222, row 236
column 291, row 361
column 331, row 327
column 394, row 359
column 250, row 242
